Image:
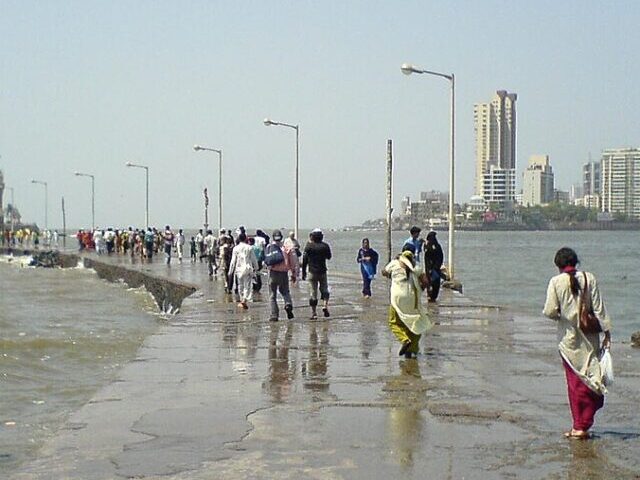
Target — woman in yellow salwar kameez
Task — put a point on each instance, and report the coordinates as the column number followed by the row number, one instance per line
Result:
column 408, row 319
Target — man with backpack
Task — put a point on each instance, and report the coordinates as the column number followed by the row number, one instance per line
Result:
column 279, row 262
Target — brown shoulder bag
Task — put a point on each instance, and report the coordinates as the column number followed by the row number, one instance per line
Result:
column 588, row 321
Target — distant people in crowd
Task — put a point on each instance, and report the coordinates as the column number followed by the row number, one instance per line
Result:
column 225, row 250
column 408, row 319
column 109, row 240
column 259, row 254
column 168, row 238
column 149, row 240
column 291, row 243
column 193, row 249
column 568, row 294
column 315, row 256
column 279, row 262
column 368, row 260
column 433, row 258
column 416, row 241
column 180, row 240
column 243, row 266
column 200, row 244
column 210, row 247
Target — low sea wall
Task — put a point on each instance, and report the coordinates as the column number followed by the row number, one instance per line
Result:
column 168, row 294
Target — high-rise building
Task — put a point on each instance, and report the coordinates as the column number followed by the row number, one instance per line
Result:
column 591, row 178
column 537, row 181
column 495, row 131
column 620, row 182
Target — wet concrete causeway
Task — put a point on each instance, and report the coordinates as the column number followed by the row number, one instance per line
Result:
column 219, row 392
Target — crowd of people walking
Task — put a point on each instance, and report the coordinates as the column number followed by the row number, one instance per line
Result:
column 573, row 297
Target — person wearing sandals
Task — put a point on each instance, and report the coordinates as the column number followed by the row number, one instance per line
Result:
column 315, row 256
column 408, row 319
column 579, row 350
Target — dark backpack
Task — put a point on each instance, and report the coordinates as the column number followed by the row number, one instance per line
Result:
column 273, row 255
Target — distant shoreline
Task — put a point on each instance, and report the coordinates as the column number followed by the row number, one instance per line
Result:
column 578, row 227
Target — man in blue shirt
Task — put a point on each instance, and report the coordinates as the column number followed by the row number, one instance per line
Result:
column 416, row 241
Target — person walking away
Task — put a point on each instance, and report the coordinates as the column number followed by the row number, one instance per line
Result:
column 149, row 238
column 433, row 258
column 168, row 238
column 291, row 243
column 279, row 262
column 98, row 240
column 193, row 250
column 416, row 241
column 180, row 245
column 258, row 251
column 243, row 265
column 315, row 256
column 80, row 238
column 210, row 246
column 368, row 260
column 579, row 350
column 200, row 244
column 225, row 249
column 408, row 319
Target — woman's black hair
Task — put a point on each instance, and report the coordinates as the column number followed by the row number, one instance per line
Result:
column 567, row 257
column 242, row 237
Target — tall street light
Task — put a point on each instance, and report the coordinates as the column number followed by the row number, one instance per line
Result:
column 269, row 123
column 198, row 148
column 46, row 202
column 146, row 210
column 408, row 69
column 93, row 197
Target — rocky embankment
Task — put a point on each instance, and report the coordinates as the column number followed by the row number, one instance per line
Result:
column 168, row 294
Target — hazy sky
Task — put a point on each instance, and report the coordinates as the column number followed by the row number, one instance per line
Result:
column 87, row 85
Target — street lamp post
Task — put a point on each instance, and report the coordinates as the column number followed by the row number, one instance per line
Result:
column 408, row 69
column 198, row 148
column 296, row 222
column 46, row 202
column 146, row 210
column 93, row 197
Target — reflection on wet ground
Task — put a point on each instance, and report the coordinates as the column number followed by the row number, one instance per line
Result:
column 224, row 393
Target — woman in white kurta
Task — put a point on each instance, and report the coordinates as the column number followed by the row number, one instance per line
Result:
column 579, row 351
column 408, row 319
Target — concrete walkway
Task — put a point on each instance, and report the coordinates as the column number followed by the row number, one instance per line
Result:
column 223, row 393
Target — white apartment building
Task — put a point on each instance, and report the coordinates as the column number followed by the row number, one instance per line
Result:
column 495, row 134
column 499, row 185
column 537, row 181
column 620, row 181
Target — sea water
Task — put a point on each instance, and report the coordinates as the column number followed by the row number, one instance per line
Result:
column 63, row 334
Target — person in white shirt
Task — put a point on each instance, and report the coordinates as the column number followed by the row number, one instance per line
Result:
column 243, row 265
column 200, row 244
column 180, row 245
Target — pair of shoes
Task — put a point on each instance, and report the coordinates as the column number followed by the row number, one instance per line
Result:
column 240, row 305
column 325, row 312
column 577, row 435
column 245, row 306
column 403, row 349
column 273, row 319
column 313, row 316
column 289, row 310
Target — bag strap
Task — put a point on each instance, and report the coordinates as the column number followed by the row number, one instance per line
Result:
column 585, row 296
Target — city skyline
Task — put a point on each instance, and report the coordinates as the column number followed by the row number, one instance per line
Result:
column 88, row 88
